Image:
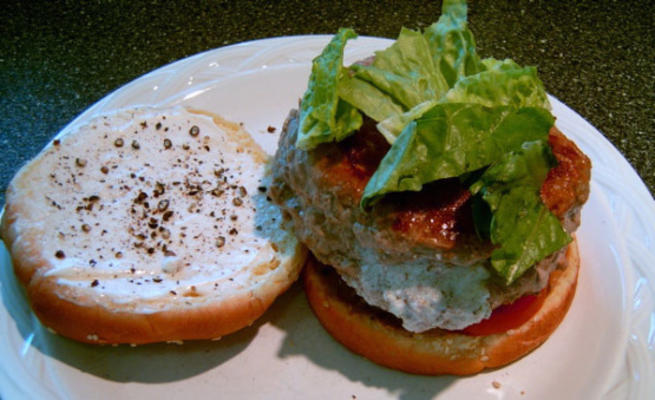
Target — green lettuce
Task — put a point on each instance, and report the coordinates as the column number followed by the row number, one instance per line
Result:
column 404, row 71
column 417, row 68
column 518, row 222
column 368, row 98
column 324, row 117
column 503, row 82
column 450, row 140
column 393, row 125
column 453, row 47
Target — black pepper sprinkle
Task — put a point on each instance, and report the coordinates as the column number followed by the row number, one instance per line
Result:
column 194, row 131
column 95, row 283
column 157, row 279
column 165, row 233
column 233, row 231
column 158, row 126
column 160, row 189
column 104, row 169
column 270, row 129
column 60, row 254
column 220, row 242
column 167, row 143
column 118, row 142
column 262, row 189
column 56, row 142
column 135, row 145
column 141, row 196
column 162, row 205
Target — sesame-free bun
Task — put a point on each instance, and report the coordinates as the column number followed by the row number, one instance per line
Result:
column 379, row 337
column 148, row 225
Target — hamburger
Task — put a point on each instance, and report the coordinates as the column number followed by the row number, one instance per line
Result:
column 438, row 199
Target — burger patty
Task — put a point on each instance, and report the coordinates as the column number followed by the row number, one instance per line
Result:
column 414, row 254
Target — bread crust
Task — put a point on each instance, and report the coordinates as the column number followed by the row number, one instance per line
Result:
column 383, row 341
column 84, row 313
column 99, row 325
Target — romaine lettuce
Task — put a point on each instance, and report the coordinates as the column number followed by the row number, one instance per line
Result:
column 452, row 139
column 324, row 117
column 524, row 230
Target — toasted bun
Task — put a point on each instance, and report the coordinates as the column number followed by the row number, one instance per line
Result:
column 379, row 336
column 148, row 225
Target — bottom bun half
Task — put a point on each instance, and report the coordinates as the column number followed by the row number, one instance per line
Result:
column 380, row 337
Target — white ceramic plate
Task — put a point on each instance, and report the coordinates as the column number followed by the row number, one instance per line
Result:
column 604, row 347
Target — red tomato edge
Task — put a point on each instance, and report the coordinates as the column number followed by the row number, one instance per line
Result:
column 508, row 316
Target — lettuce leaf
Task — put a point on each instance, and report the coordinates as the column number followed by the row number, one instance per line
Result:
column 367, row 98
column 503, row 82
column 417, row 68
column 522, row 227
column 399, row 78
column 452, row 139
column 452, row 44
column 404, row 71
column 393, row 125
column 324, row 117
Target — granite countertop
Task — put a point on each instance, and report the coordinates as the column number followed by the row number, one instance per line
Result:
column 58, row 58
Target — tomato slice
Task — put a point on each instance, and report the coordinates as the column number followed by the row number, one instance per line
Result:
column 508, row 316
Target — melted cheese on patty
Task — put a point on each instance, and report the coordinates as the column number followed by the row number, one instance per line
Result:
column 423, row 293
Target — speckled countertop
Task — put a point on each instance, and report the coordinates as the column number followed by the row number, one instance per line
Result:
column 57, row 58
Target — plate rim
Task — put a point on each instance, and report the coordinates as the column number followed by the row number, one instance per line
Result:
column 94, row 108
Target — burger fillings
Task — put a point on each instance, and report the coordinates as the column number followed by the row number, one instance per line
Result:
column 450, row 121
